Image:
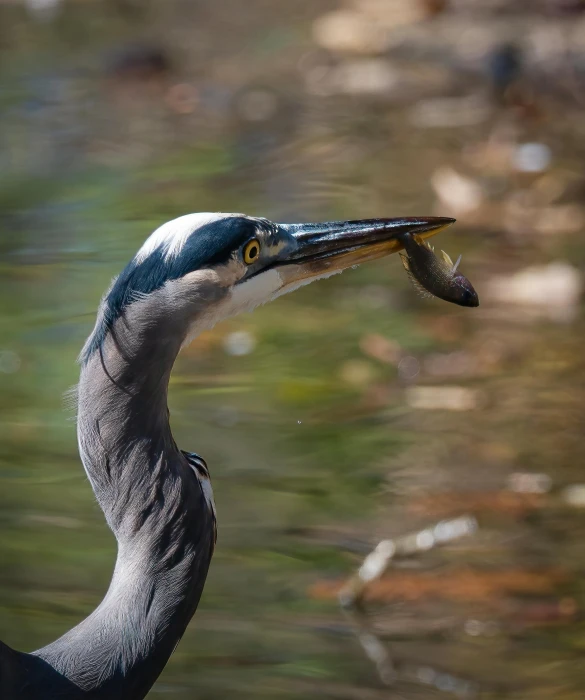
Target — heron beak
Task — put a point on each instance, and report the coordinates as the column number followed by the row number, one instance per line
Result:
column 326, row 248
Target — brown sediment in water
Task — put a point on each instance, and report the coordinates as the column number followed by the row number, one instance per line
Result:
column 460, row 585
column 455, row 502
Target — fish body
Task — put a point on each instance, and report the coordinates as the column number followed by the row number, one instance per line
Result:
column 434, row 276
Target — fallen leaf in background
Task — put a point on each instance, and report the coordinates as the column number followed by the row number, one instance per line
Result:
column 552, row 290
column 381, row 348
column 460, row 194
column 450, row 398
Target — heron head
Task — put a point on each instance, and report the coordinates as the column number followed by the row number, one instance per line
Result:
column 201, row 268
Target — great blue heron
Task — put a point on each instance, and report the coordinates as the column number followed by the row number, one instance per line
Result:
column 191, row 273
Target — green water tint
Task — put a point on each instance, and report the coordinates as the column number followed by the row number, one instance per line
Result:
column 314, row 452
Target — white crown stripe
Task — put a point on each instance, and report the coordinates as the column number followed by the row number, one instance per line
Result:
column 173, row 235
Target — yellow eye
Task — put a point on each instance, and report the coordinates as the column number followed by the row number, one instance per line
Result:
column 251, row 251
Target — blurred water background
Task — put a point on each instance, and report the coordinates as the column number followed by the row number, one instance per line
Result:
column 353, row 411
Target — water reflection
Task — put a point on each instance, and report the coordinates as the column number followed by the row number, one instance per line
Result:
column 350, row 412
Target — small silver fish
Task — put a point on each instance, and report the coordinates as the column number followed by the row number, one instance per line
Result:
column 433, row 276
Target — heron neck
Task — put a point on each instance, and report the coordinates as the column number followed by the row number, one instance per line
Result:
column 154, row 506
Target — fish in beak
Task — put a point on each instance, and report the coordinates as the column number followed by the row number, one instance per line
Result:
column 323, row 249
column 436, row 277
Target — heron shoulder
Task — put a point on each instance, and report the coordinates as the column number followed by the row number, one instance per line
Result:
column 199, row 467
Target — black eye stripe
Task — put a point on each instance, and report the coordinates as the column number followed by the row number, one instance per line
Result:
column 211, row 244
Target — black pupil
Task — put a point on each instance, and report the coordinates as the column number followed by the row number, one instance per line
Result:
column 253, row 251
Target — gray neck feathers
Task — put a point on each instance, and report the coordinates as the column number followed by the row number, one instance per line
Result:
column 151, row 501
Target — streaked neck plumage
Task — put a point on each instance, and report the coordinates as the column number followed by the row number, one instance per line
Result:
column 153, row 503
